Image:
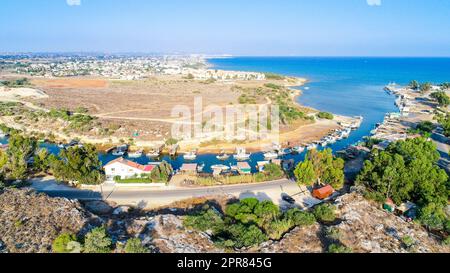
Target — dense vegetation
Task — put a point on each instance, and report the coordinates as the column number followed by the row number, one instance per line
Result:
column 323, row 166
column 77, row 164
column 325, row 115
column 22, row 82
column 408, row 171
column 444, row 120
column 273, row 76
column 96, row 241
column 248, row 223
column 424, row 128
column 441, row 97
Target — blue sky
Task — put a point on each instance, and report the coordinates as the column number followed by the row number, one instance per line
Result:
column 238, row 27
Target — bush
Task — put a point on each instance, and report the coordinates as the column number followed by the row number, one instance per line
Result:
column 208, row 220
column 300, row 218
column 276, row 229
column 60, row 244
column 325, row 115
column 325, row 213
column 245, row 236
column 408, row 241
column 273, row 76
column 134, row 245
column 336, row 248
column 97, row 241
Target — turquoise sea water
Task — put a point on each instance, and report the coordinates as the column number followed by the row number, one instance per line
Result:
column 346, row 86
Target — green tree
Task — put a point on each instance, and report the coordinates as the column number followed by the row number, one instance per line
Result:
column 338, row 249
column 305, row 174
column 441, row 97
column 425, row 87
column 325, row 115
column 414, row 85
column 97, row 241
column 321, row 165
column 78, row 164
column 20, row 151
column 61, row 243
column 134, row 246
column 41, row 161
column 162, row 172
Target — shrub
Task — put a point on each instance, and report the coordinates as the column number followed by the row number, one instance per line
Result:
column 300, row 218
column 325, row 115
column 276, row 229
column 337, row 248
column 208, row 220
column 408, row 241
column 245, row 236
column 134, row 245
column 97, row 241
column 60, row 244
column 325, row 213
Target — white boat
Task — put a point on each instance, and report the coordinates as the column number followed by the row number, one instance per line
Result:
column 241, row 154
column 153, row 154
column 223, row 156
column 190, row 156
column 270, row 155
column 2, row 135
column 311, row 147
column 298, row 149
column 136, row 154
column 118, row 153
column 220, row 167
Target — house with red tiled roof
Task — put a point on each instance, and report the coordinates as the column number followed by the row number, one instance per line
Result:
column 124, row 169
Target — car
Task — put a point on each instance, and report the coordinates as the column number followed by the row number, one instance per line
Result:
column 288, row 199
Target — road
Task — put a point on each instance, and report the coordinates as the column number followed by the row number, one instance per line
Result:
column 159, row 197
column 443, row 148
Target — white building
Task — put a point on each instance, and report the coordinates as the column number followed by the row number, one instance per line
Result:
column 126, row 169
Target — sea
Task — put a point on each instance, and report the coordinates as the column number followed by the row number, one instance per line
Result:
column 351, row 86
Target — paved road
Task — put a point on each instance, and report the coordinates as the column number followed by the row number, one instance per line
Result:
column 154, row 197
column 443, row 149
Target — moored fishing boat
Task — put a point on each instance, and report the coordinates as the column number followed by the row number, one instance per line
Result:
column 270, row 155
column 241, row 154
column 136, row 154
column 153, row 154
column 223, row 156
column 192, row 155
column 298, row 149
column 311, row 146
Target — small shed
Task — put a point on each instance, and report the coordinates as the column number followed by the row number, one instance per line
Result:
column 189, row 168
column 389, row 205
column 323, row 193
column 244, row 168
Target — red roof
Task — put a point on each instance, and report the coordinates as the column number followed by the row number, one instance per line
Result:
column 323, row 192
column 144, row 168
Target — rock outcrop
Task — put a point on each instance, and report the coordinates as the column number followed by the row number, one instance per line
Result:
column 29, row 222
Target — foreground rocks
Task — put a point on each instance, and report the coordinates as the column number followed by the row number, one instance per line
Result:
column 29, row 222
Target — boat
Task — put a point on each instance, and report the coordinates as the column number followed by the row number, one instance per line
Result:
column 220, row 167
column 136, row 154
column 241, row 154
column 190, row 156
column 223, row 156
column 270, row 155
column 118, row 151
column 153, row 154
column 287, row 151
column 298, row 149
column 311, row 146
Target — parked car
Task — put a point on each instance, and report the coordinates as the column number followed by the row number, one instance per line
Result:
column 288, row 199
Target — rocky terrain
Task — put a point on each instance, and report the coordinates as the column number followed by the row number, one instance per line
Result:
column 29, row 222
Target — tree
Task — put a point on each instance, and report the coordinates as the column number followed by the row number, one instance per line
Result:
column 41, row 161
column 444, row 120
column 338, row 248
column 78, row 164
column 134, row 246
column 321, row 165
column 325, row 212
column 425, row 87
column 325, row 115
column 273, row 171
column 408, row 171
column 20, row 151
column 162, row 172
column 305, row 174
column 61, row 243
column 414, row 85
column 441, row 97
column 97, row 241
